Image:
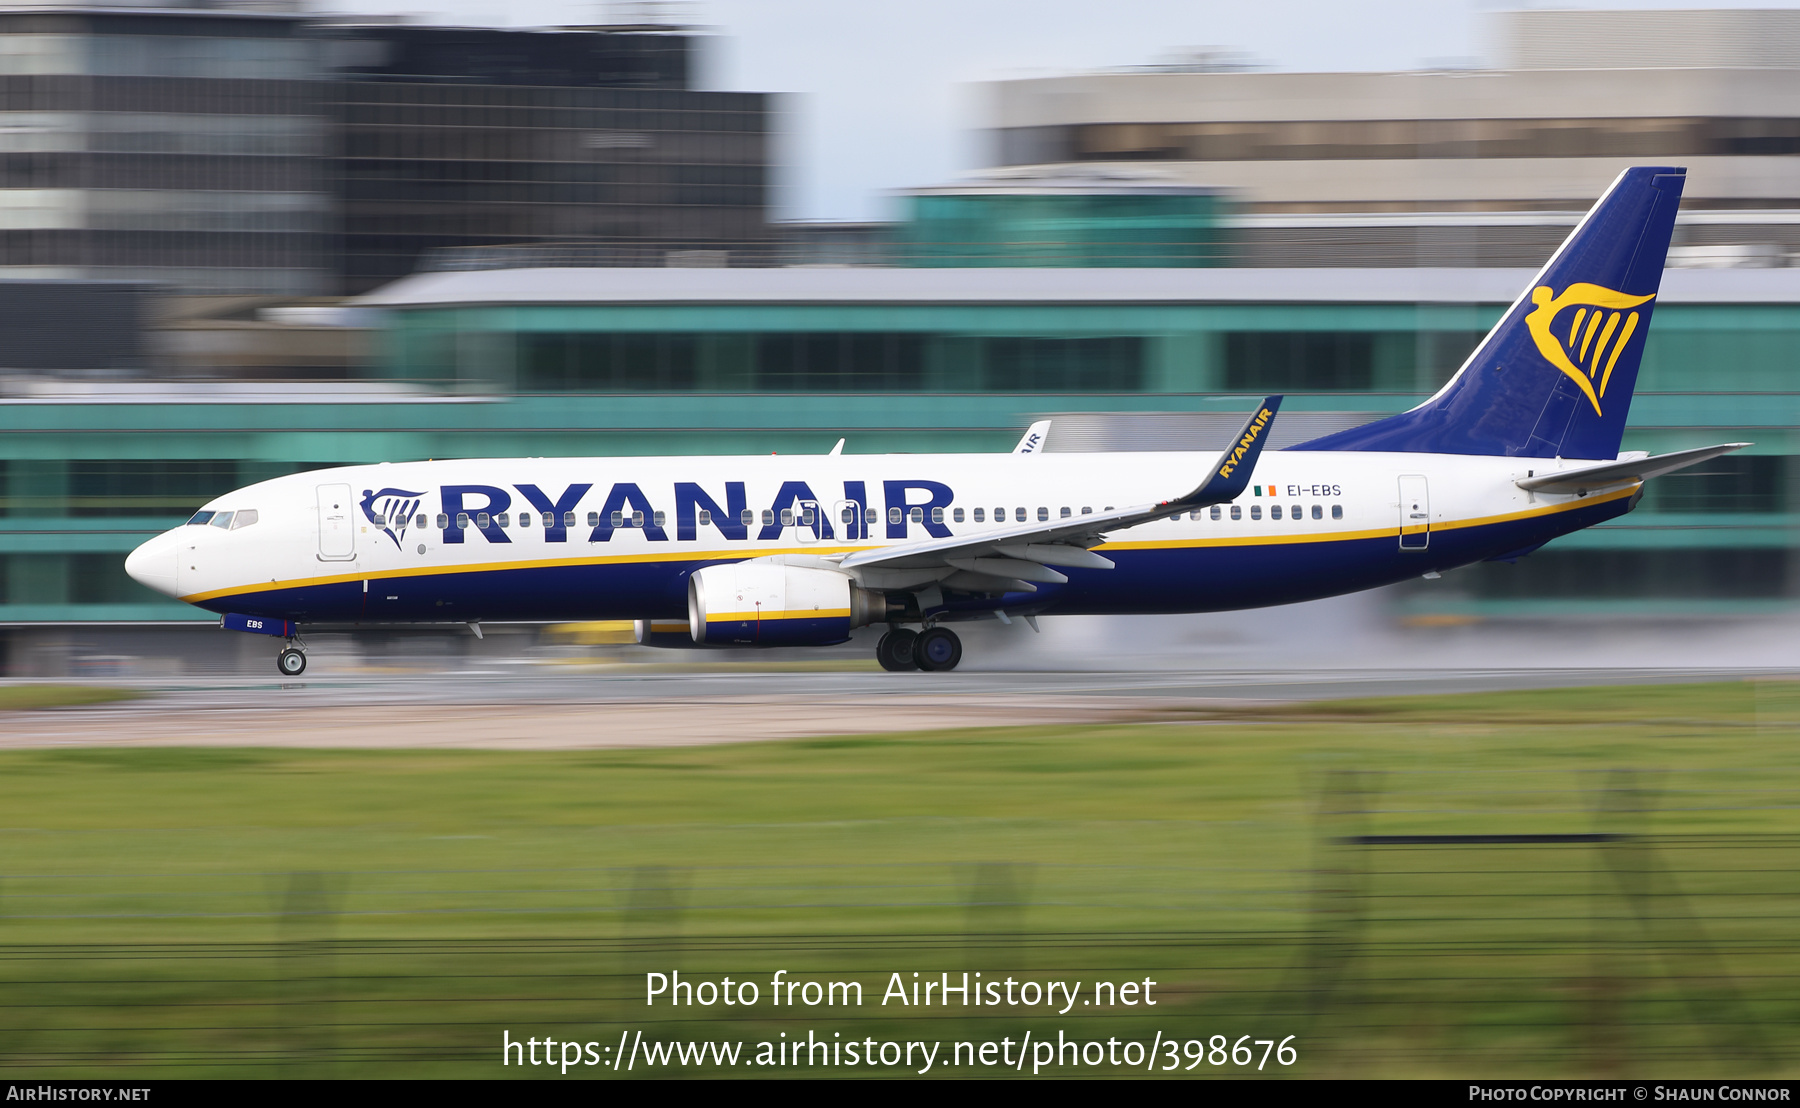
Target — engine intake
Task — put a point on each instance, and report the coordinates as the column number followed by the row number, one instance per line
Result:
column 767, row 604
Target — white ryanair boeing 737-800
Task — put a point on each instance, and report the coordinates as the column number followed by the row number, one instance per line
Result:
column 1521, row 446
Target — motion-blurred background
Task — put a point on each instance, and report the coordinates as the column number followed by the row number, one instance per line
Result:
column 241, row 239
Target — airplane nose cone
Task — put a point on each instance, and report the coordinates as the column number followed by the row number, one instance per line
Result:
column 153, row 564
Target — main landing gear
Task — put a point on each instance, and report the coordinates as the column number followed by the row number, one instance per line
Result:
column 934, row 650
column 291, row 661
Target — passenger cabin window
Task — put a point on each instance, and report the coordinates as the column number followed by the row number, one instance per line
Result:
column 893, row 515
column 222, row 520
column 1274, row 511
column 705, row 517
column 872, row 517
column 917, row 515
column 787, row 517
column 618, row 519
column 504, row 519
column 420, row 522
column 481, row 520
column 1019, row 514
column 848, row 515
column 243, row 519
column 1256, row 511
column 1215, row 511
column 1066, row 513
column 462, row 521
column 981, row 515
column 768, row 517
column 747, row 517
column 937, row 515
column 637, row 519
column 443, row 521
column 1294, row 512
column 1337, row 511
column 658, row 518
column 199, row 519
column 1237, row 512
column 807, row 517
column 524, row 519
column 594, row 519
column 1318, row 512
column 1086, row 511
column 957, row 515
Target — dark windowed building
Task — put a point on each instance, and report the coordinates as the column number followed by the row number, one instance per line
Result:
column 177, row 145
column 455, row 137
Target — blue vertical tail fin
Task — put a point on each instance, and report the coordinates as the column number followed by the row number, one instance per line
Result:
column 1555, row 375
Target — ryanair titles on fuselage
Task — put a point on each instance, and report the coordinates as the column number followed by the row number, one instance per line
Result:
column 905, row 504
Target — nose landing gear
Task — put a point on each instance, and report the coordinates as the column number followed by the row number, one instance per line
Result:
column 291, row 662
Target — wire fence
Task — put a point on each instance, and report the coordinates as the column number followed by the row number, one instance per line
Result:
column 1601, row 952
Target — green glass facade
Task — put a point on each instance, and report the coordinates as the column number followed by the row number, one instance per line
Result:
column 1091, row 229
column 83, row 483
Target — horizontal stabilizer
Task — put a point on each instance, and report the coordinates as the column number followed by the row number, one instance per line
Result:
column 1625, row 472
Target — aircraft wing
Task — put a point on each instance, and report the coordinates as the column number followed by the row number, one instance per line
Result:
column 1012, row 558
column 1624, row 472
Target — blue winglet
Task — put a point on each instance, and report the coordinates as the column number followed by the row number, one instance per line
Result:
column 1231, row 474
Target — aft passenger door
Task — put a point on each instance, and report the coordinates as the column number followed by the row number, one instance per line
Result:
column 1415, row 512
column 337, row 527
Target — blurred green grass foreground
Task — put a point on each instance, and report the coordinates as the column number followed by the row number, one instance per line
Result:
column 1313, row 870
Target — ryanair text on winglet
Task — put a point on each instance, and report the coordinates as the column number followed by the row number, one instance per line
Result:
column 1243, row 447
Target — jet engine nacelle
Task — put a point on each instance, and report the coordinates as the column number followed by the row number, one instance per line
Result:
column 768, row 604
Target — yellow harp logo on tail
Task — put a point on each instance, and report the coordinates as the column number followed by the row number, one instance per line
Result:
column 1595, row 334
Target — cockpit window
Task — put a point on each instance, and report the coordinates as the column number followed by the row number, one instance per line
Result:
column 222, row 519
column 243, row 519
column 199, row 519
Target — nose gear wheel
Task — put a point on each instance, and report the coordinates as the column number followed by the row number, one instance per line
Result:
column 291, row 662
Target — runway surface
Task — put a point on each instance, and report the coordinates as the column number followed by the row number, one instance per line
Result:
column 535, row 707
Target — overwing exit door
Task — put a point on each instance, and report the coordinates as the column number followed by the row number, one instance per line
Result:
column 337, row 529
column 1415, row 512
column 848, row 516
column 807, row 524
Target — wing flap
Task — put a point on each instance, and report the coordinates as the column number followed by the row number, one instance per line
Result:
column 1011, row 567
column 1056, row 554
